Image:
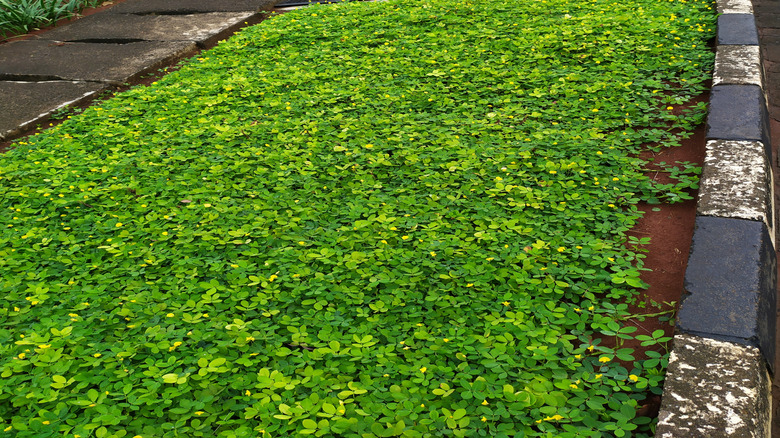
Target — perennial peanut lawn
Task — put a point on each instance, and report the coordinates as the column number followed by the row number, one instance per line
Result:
column 402, row 218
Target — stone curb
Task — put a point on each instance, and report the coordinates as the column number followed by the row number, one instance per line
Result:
column 719, row 380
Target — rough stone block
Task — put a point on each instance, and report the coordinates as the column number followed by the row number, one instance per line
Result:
column 737, row 65
column 735, row 7
column 715, row 389
column 25, row 104
column 736, row 182
column 201, row 28
column 110, row 63
column 179, row 7
column 738, row 112
column 731, row 284
column 737, row 29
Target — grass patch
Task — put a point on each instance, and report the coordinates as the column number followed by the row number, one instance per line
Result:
column 404, row 218
column 21, row 16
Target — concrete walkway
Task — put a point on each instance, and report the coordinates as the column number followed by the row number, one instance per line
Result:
column 73, row 64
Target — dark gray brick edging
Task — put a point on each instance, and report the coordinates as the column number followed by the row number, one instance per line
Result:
column 719, row 378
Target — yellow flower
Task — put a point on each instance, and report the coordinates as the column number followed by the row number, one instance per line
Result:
column 561, row 249
column 170, row 315
column 577, row 309
column 250, row 338
column 483, row 419
column 405, row 237
column 505, row 303
column 484, row 402
column 446, row 340
column 199, row 412
column 247, row 393
column 119, row 224
column 301, row 243
column 604, row 359
column 633, row 378
column 96, row 355
column 272, row 277
column 423, row 369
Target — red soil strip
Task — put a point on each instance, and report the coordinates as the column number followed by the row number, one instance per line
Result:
column 670, row 229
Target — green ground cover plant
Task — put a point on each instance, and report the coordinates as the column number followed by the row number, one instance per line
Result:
column 403, row 218
column 20, row 16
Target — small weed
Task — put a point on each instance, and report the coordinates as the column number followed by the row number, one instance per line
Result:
column 20, row 16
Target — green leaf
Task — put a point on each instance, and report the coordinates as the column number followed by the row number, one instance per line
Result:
column 170, row 378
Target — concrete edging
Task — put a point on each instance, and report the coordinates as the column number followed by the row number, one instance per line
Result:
column 719, row 379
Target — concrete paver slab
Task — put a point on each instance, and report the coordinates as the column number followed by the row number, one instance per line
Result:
column 176, row 7
column 110, row 63
column 25, row 104
column 201, row 28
